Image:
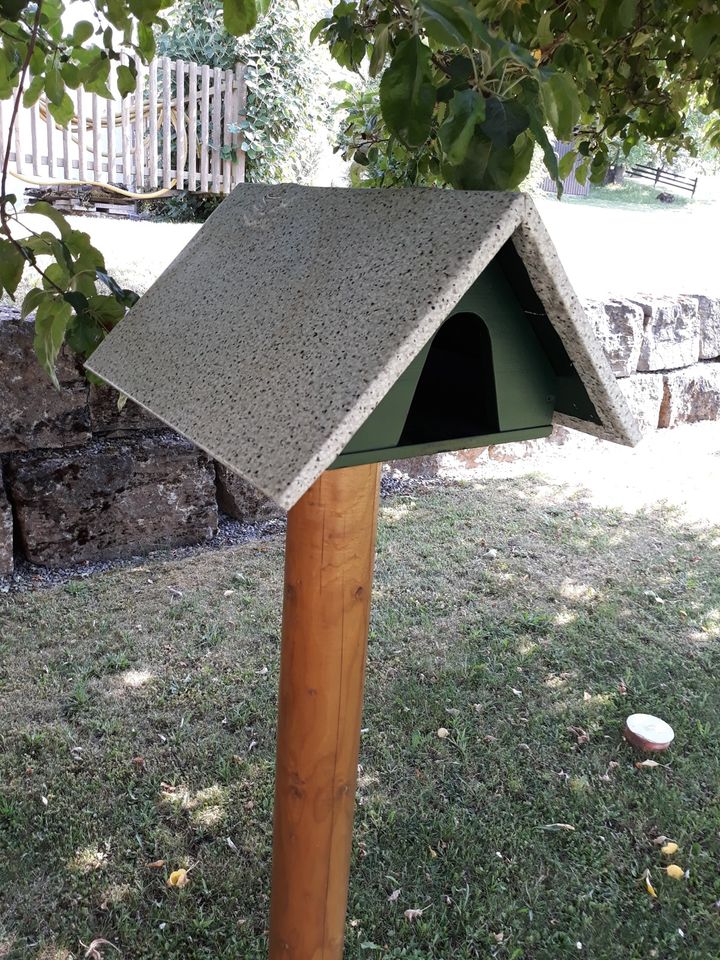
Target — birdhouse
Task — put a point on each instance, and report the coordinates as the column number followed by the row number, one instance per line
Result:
column 305, row 328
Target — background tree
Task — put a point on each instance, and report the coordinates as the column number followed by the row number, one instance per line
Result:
column 288, row 110
column 467, row 90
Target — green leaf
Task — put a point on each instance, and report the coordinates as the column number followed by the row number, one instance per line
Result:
column 500, row 150
column 35, row 88
column 56, row 275
column 32, row 300
column 407, row 93
column 379, row 51
column 467, row 109
column 71, row 75
column 239, row 16
column 106, row 309
column 62, row 112
column 543, row 34
column 319, row 27
column 701, row 33
column 11, row 9
column 448, row 22
column 55, row 86
column 514, row 173
column 45, row 209
column 566, row 164
column 12, row 264
column 561, row 104
column 549, row 155
column 51, row 322
column 126, row 80
column 146, row 41
column 581, row 172
column 504, row 121
column 82, row 31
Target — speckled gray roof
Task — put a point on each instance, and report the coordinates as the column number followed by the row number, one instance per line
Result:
column 278, row 329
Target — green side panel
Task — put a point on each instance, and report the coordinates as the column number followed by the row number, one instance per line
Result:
column 571, row 396
column 385, row 424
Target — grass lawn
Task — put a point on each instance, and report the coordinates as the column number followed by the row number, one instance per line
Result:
column 138, row 715
column 633, row 193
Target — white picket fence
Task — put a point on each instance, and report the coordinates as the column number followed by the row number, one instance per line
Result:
column 179, row 110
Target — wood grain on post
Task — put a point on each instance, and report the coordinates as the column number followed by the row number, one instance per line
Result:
column 328, row 578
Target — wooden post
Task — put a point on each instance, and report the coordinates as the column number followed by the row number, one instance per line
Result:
column 328, row 577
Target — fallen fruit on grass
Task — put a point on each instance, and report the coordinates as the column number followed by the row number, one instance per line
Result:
column 646, row 764
column 178, row 878
column 647, row 732
column 669, row 849
column 674, row 871
column 443, row 733
column 648, row 885
column 156, row 865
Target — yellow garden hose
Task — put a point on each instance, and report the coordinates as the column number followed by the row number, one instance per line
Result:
column 38, row 181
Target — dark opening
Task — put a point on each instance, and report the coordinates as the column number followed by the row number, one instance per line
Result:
column 455, row 396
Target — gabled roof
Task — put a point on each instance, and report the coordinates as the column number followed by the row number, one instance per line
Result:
column 278, row 329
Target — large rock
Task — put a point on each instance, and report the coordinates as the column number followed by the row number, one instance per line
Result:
column 6, row 533
column 107, row 419
column 691, row 395
column 619, row 326
column 709, row 317
column 644, row 394
column 672, row 335
column 240, row 500
column 111, row 498
column 32, row 412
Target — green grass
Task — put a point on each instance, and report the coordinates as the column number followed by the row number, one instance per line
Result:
column 146, row 722
column 635, row 193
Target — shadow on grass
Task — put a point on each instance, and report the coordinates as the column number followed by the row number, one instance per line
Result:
column 138, row 725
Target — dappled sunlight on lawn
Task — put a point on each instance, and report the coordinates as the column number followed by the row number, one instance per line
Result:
column 514, row 628
column 136, row 678
column 91, row 857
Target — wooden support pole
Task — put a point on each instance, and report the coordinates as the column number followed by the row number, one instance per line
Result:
column 328, row 578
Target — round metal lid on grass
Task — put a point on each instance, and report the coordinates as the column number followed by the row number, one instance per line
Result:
column 647, row 732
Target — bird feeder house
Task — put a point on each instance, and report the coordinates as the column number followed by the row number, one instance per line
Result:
column 303, row 336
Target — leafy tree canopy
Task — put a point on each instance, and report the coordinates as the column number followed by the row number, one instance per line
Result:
column 467, row 90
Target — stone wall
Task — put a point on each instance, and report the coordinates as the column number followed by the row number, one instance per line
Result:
column 82, row 480
column 666, row 355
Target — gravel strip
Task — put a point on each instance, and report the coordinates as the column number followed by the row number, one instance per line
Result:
column 231, row 533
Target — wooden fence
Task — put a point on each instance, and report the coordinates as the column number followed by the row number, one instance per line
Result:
column 662, row 177
column 177, row 130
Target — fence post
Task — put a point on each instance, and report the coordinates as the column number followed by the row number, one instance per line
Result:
column 125, row 130
column 152, row 126
column 204, row 126
column 179, row 124
column 192, row 126
column 240, row 114
column 216, row 129
column 110, row 125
